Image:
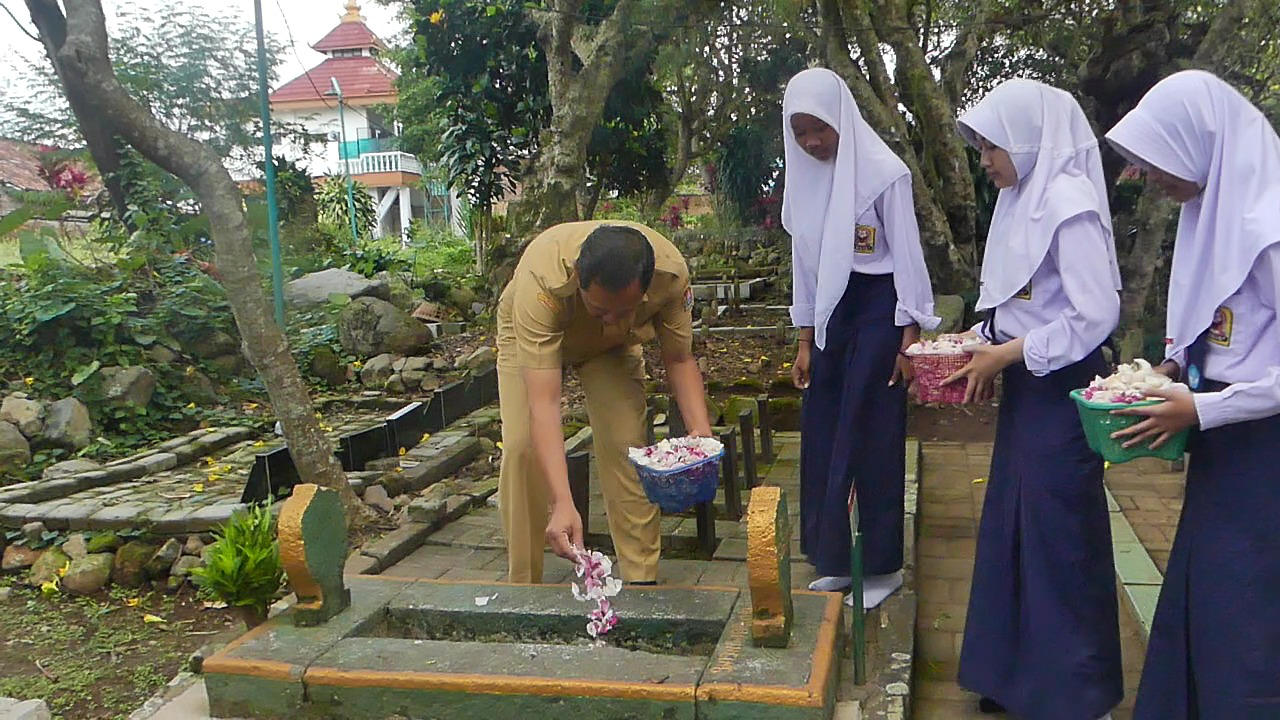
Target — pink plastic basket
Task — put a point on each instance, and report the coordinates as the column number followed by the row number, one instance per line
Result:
column 931, row 370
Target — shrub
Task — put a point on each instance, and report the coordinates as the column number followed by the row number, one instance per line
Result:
column 242, row 567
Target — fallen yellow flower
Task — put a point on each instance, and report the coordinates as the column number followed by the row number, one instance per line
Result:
column 260, row 443
column 62, row 571
column 132, row 602
column 403, row 451
column 191, row 406
column 152, row 619
column 425, row 437
column 29, row 381
column 198, row 487
column 978, row 481
column 49, row 588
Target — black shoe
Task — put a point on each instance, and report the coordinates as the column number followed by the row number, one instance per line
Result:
column 990, row 707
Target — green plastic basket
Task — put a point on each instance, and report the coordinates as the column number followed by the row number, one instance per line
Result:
column 1099, row 423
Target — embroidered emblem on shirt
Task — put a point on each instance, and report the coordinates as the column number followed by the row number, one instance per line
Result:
column 551, row 303
column 1024, row 293
column 688, row 298
column 864, row 240
column 1220, row 330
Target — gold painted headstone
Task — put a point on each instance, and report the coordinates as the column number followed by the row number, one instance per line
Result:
column 313, row 549
column 769, row 567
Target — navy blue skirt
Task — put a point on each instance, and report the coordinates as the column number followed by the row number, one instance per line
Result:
column 1042, row 633
column 854, row 430
column 1215, row 643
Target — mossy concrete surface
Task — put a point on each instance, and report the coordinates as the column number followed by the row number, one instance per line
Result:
column 433, row 649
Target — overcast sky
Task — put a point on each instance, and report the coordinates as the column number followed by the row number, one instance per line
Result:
column 308, row 19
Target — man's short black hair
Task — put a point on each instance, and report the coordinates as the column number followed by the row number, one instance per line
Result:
column 615, row 256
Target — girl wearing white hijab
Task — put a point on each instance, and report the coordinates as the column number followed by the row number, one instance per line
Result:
column 1215, row 643
column 861, row 295
column 1042, row 635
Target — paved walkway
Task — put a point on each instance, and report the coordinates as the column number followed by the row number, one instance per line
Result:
column 950, row 508
column 1150, row 494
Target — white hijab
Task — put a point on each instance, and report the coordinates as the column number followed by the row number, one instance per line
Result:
column 822, row 201
column 1196, row 127
column 1060, row 176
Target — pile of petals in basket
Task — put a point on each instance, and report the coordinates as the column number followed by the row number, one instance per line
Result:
column 676, row 452
column 949, row 344
column 1130, row 383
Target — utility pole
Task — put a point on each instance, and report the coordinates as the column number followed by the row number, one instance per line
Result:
column 269, row 167
column 346, row 161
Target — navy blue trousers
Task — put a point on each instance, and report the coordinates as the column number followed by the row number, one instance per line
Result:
column 854, row 430
column 1042, row 633
column 1215, row 643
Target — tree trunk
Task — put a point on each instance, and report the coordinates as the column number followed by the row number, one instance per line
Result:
column 85, row 69
column 52, row 28
column 582, row 67
column 1138, row 267
column 941, row 184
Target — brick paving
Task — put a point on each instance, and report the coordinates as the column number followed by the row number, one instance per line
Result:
column 950, row 508
column 1149, row 492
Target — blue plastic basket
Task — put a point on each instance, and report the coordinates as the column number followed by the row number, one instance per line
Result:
column 679, row 489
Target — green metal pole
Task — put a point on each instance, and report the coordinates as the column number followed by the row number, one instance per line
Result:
column 273, row 212
column 346, row 165
column 859, row 640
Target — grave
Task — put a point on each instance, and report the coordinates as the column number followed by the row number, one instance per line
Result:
column 436, row 649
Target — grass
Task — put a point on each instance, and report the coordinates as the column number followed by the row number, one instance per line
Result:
column 96, row 657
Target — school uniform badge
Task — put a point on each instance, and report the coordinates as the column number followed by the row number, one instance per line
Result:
column 1024, row 293
column 864, row 240
column 1220, row 330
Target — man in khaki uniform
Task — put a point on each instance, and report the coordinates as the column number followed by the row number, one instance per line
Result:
column 587, row 294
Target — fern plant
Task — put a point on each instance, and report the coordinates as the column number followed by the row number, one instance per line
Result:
column 242, row 567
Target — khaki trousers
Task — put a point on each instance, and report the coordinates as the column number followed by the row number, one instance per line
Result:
column 614, row 386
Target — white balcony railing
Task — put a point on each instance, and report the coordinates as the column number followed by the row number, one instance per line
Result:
column 384, row 162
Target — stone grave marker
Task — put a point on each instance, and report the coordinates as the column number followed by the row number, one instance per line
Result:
column 579, row 466
column 404, row 427
column 729, row 474
column 766, row 428
column 746, row 426
column 433, row 417
column 454, row 399
column 273, row 475
column 313, row 550
column 359, row 447
column 769, row 567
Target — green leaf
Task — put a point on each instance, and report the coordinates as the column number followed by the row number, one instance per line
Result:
column 85, row 372
column 339, row 300
column 13, row 220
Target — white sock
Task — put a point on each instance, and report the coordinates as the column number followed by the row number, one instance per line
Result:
column 831, row 583
column 876, row 588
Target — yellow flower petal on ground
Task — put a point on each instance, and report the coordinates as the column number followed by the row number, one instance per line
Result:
column 399, row 469
column 498, row 444
column 210, row 460
column 198, row 487
column 403, row 451
column 132, row 602
column 260, row 443
column 425, row 437
column 1106, row 465
column 62, row 571
column 213, row 477
column 191, row 406
column 152, row 619
column 29, row 381
column 979, row 481
column 436, row 17
column 49, row 588
column 227, row 468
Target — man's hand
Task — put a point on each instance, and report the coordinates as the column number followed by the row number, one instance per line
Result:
column 1163, row 421
column 800, row 369
column 564, row 530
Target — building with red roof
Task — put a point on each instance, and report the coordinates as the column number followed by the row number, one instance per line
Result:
column 366, row 144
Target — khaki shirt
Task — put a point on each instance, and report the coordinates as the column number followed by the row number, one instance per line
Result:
column 543, row 323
